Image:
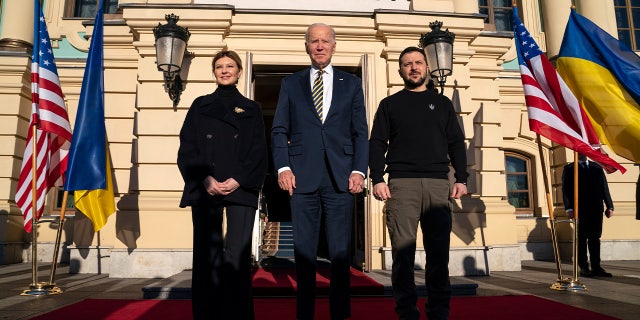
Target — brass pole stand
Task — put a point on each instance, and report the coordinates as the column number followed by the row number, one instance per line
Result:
column 36, row 288
column 571, row 284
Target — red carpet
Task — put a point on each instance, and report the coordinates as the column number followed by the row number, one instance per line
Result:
column 523, row 307
column 281, row 281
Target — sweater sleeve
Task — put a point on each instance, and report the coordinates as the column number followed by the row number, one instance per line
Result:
column 378, row 143
column 457, row 147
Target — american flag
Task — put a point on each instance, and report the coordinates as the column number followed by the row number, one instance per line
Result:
column 53, row 131
column 554, row 112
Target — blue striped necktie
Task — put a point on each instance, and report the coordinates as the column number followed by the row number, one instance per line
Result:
column 317, row 93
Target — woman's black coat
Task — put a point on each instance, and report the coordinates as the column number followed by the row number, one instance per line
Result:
column 223, row 136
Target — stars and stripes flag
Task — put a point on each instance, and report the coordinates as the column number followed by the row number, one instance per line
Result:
column 554, row 112
column 53, row 131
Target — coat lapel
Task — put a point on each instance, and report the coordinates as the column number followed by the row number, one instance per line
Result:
column 211, row 108
column 338, row 92
column 305, row 84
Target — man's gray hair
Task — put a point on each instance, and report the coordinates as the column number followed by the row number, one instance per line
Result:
column 333, row 32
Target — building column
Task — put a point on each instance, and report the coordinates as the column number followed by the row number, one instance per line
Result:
column 17, row 25
column 601, row 13
column 432, row 5
column 465, row 6
column 555, row 14
column 15, row 62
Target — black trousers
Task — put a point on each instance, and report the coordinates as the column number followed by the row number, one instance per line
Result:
column 589, row 233
column 307, row 212
column 424, row 201
column 221, row 281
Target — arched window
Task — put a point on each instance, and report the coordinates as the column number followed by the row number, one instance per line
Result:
column 628, row 22
column 518, row 172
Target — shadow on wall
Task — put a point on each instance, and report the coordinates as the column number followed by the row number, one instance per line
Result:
column 540, row 245
column 469, row 265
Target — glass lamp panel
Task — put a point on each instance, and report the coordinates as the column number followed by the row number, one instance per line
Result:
column 439, row 58
column 169, row 53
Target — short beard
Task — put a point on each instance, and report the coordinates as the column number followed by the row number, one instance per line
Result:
column 410, row 84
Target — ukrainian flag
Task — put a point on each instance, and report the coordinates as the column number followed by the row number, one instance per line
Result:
column 604, row 74
column 89, row 166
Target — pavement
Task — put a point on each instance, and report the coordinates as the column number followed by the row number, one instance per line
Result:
column 618, row 296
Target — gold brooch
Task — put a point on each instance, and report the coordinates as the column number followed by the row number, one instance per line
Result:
column 238, row 110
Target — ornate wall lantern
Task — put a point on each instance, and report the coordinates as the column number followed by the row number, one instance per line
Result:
column 171, row 45
column 438, row 47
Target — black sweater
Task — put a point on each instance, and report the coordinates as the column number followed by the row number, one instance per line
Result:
column 420, row 134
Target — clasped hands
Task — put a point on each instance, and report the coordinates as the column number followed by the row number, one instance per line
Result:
column 287, row 182
column 224, row 188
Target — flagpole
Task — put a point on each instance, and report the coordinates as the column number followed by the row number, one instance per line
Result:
column 56, row 248
column 36, row 288
column 34, row 206
column 576, row 220
column 561, row 282
column 574, row 283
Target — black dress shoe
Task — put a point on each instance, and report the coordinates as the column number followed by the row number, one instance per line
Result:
column 601, row 273
column 586, row 273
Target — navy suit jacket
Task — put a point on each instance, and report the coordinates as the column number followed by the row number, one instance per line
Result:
column 301, row 141
column 593, row 191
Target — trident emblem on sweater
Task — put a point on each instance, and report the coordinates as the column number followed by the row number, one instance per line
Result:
column 431, row 106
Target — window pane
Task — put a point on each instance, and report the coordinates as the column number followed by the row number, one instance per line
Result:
column 625, row 37
column 483, row 3
column 60, row 197
column 517, row 182
column 515, row 165
column 485, row 11
column 635, row 18
column 519, row 199
column 637, row 40
column 621, row 18
column 111, row 6
column 85, row 8
column 635, row 3
column 619, row 2
column 502, row 3
column 504, row 19
column 88, row 8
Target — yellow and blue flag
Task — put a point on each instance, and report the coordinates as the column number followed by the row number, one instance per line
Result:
column 604, row 74
column 89, row 167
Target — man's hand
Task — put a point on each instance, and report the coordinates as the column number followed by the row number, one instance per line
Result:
column 287, row 181
column 458, row 190
column 356, row 183
column 608, row 213
column 381, row 191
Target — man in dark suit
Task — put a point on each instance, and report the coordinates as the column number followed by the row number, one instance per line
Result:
column 592, row 192
column 320, row 150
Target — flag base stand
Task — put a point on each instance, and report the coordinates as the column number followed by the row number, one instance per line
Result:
column 42, row 288
column 568, row 285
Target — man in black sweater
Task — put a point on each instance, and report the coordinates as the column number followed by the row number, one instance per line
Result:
column 418, row 131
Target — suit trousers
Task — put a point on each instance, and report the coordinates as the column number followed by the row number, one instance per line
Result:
column 424, row 201
column 308, row 210
column 221, row 277
column 589, row 233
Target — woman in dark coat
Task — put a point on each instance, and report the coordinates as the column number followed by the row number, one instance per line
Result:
column 223, row 161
